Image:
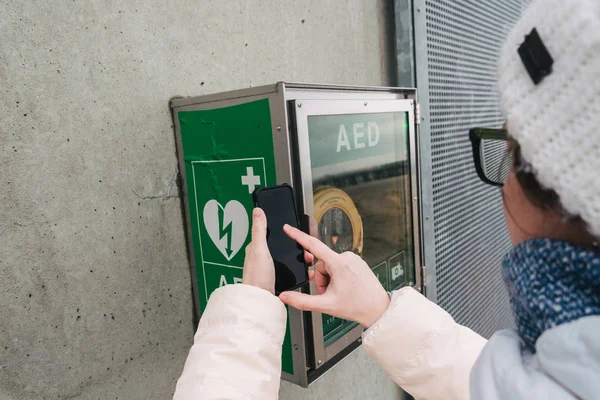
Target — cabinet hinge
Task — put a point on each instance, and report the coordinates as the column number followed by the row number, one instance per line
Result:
column 417, row 114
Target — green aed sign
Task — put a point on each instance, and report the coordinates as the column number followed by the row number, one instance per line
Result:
column 228, row 152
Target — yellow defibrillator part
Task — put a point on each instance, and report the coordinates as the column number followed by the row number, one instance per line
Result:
column 339, row 223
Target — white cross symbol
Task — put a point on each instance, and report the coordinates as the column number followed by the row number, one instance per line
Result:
column 250, row 179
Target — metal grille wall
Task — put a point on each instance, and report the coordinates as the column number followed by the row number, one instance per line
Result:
column 457, row 44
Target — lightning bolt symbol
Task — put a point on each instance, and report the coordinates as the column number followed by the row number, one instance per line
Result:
column 225, row 230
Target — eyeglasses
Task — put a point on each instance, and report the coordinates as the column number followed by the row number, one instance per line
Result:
column 492, row 154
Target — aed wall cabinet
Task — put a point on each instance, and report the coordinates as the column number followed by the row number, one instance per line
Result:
column 350, row 154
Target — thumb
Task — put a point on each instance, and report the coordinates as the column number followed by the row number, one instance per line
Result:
column 259, row 227
column 305, row 302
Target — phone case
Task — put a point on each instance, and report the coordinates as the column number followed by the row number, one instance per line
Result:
column 302, row 221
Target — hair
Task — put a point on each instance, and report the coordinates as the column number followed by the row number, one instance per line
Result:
column 545, row 199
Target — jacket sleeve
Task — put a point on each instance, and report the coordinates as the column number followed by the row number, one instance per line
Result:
column 237, row 348
column 422, row 349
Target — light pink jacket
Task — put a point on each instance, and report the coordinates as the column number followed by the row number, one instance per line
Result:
column 237, row 348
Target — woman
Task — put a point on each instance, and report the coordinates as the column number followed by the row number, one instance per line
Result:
column 550, row 93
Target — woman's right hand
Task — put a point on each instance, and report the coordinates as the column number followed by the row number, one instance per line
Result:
column 346, row 286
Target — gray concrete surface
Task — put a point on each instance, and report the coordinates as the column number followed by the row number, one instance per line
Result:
column 95, row 289
column 357, row 377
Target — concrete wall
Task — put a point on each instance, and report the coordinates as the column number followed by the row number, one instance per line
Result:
column 95, row 289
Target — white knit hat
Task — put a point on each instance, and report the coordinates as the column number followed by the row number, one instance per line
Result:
column 557, row 121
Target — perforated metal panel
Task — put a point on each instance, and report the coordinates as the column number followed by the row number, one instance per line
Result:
column 457, row 45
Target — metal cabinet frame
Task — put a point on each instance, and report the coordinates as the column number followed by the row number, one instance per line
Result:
column 290, row 106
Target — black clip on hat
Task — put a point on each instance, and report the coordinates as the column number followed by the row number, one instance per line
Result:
column 536, row 57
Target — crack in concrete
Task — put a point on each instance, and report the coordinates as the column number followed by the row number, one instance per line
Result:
column 20, row 225
column 31, row 224
column 162, row 197
column 28, row 224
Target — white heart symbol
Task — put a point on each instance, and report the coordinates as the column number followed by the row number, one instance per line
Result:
column 230, row 234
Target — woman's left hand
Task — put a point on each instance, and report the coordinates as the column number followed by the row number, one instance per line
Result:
column 259, row 269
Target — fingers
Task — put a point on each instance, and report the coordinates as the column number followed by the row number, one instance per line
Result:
column 308, row 258
column 259, row 226
column 319, row 275
column 305, row 302
column 321, row 282
column 320, row 268
column 312, row 244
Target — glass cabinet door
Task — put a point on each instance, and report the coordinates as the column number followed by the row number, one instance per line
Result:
column 357, row 171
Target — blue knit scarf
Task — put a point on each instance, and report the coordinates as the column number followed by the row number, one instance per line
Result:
column 550, row 283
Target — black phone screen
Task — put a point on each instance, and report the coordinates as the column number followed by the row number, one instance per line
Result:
column 288, row 256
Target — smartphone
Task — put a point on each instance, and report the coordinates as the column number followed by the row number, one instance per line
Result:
column 278, row 203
